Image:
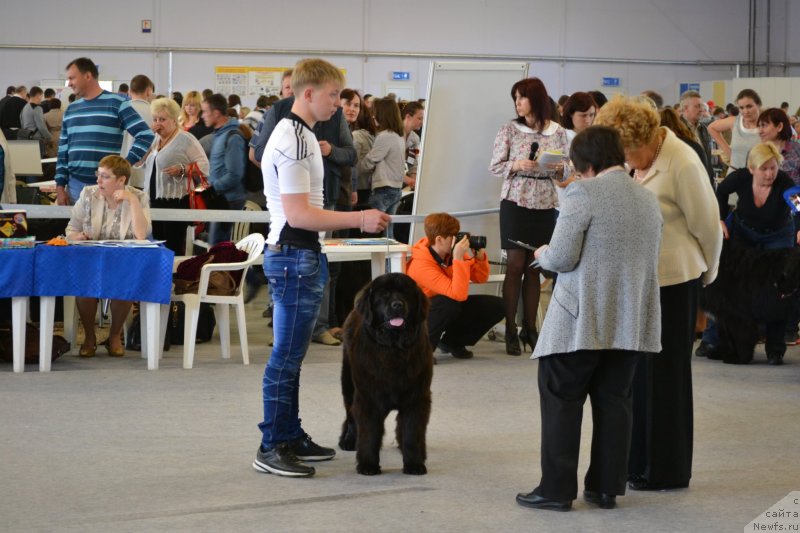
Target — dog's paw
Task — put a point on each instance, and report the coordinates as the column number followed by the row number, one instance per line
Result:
column 415, row 470
column 368, row 470
column 347, row 442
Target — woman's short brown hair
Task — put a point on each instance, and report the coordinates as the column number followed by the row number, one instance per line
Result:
column 634, row 117
column 777, row 117
column 440, row 225
column 118, row 166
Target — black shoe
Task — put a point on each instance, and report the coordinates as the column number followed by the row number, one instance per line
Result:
column 307, row 450
column 457, row 351
column 641, row 483
column 791, row 338
column 540, row 502
column 512, row 341
column 775, row 359
column 600, row 499
column 528, row 337
column 282, row 461
column 706, row 350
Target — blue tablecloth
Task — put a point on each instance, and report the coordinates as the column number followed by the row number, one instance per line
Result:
column 139, row 274
column 16, row 272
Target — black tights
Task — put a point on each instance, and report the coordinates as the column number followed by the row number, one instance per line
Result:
column 517, row 262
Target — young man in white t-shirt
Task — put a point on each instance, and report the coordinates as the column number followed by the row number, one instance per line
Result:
column 293, row 263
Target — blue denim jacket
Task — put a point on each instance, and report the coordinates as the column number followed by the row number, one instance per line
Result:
column 227, row 162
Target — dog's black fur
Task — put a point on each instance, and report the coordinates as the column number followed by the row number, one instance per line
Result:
column 752, row 286
column 385, row 367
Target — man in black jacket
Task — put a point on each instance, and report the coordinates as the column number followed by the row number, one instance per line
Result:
column 10, row 115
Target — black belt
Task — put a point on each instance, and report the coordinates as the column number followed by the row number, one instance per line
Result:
column 284, row 247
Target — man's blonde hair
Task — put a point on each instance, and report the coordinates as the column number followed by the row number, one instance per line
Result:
column 635, row 118
column 761, row 153
column 315, row 73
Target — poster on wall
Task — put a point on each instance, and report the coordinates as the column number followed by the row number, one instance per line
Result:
column 249, row 81
column 242, row 80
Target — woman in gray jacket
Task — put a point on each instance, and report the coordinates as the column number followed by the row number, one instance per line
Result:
column 604, row 313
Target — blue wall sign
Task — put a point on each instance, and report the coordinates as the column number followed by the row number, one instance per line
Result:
column 401, row 76
column 689, row 87
column 610, row 82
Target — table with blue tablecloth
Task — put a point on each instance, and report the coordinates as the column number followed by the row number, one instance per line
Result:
column 141, row 274
column 119, row 273
column 16, row 282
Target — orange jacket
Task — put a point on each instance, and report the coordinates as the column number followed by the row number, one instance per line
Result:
column 451, row 281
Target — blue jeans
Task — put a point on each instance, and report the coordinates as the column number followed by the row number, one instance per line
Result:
column 297, row 278
column 221, row 231
column 386, row 199
column 74, row 188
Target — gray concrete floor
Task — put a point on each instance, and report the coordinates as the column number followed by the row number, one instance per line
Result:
column 105, row 445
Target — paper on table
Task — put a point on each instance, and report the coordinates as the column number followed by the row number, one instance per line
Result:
column 133, row 243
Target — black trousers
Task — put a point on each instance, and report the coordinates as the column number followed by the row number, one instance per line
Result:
column 565, row 380
column 663, row 414
column 172, row 232
column 463, row 323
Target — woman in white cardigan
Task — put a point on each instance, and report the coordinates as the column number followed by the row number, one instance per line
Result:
column 663, row 427
column 172, row 152
column 108, row 210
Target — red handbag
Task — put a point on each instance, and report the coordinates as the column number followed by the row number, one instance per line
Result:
column 201, row 194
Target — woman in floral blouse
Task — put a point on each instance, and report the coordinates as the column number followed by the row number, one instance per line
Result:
column 528, row 200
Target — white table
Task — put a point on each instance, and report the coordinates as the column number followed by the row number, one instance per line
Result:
column 376, row 253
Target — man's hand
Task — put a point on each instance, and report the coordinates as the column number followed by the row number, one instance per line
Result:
column 725, row 233
column 325, row 148
column 374, row 221
column 62, row 196
column 353, row 198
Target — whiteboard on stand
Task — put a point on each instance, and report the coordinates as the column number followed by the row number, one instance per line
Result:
column 467, row 104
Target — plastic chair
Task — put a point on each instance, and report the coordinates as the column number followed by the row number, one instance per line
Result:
column 254, row 246
column 242, row 229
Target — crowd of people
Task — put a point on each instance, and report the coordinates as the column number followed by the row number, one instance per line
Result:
column 628, row 213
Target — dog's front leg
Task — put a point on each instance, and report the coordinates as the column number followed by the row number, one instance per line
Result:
column 412, row 423
column 369, row 424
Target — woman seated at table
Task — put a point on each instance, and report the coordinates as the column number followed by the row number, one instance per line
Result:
column 108, row 210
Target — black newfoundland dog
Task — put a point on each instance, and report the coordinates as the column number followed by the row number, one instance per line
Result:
column 753, row 286
column 387, row 365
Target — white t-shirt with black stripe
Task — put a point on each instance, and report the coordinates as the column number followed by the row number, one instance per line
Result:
column 291, row 164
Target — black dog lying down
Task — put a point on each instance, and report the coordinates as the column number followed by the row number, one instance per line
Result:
column 752, row 286
column 387, row 365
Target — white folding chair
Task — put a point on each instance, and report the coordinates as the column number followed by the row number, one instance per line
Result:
column 254, row 246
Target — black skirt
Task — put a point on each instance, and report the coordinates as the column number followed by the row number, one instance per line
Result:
column 531, row 226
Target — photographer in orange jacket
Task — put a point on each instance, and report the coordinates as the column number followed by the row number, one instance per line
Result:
column 443, row 269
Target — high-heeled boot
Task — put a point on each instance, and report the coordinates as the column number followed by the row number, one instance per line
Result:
column 528, row 337
column 512, row 341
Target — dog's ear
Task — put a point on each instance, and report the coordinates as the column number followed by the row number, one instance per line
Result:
column 363, row 303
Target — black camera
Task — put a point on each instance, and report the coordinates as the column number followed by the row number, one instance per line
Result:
column 476, row 242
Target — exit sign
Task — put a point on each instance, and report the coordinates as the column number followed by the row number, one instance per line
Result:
column 401, row 76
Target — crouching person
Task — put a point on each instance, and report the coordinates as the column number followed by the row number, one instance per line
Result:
column 443, row 269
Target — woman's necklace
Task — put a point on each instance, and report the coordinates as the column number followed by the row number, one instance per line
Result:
column 163, row 142
column 641, row 173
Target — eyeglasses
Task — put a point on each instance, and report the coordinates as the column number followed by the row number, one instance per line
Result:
column 99, row 174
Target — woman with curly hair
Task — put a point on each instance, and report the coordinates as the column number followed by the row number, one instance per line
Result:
column 662, row 435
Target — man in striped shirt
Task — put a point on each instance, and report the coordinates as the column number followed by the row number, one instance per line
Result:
column 93, row 128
